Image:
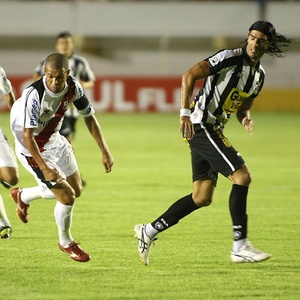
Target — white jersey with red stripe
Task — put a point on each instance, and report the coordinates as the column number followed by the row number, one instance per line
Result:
column 43, row 110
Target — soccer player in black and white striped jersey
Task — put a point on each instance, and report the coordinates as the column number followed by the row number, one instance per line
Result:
column 233, row 78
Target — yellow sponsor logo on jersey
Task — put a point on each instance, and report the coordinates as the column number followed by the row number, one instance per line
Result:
column 234, row 100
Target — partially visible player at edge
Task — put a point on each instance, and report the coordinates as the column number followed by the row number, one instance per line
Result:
column 79, row 68
column 46, row 154
column 233, row 78
column 9, row 174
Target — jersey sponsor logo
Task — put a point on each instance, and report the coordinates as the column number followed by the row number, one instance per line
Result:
column 234, row 100
column 33, row 116
column 46, row 112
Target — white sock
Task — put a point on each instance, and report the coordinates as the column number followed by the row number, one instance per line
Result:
column 63, row 217
column 46, row 193
column 3, row 216
column 36, row 192
column 151, row 231
column 237, row 245
column 30, row 194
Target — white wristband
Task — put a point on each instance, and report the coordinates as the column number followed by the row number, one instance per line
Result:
column 244, row 121
column 185, row 112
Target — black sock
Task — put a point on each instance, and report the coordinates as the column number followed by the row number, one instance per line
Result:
column 176, row 211
column 237, row 206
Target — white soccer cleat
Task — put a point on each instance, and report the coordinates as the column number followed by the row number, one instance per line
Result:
column 144, row 242
column 249, row 254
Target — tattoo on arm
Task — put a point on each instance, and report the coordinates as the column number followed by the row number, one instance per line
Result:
column 200, row 64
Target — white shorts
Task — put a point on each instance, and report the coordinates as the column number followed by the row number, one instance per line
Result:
column 7, row 156
column 60, row 157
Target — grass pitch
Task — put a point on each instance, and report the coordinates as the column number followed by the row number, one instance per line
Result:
column 151, row 171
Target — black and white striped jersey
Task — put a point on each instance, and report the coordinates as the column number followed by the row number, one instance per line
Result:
column 79, row 68
column 232, row 80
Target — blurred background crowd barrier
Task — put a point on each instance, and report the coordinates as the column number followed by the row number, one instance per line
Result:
column 139, row 49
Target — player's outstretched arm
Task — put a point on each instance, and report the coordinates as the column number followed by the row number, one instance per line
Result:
column 95, row 130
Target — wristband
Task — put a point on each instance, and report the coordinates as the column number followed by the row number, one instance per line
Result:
column 244, row 121
column 185, row 112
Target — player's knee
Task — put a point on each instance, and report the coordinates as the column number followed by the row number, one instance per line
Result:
column 248, row 179
column 241, row 177
column 244, row 178
column 78, row 191
column 202, row 201
column 67, row 197
column 11, row 179
column 206, row 202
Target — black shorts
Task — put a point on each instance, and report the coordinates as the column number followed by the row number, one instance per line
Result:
column 212, row 153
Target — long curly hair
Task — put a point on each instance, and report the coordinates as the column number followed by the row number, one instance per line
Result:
column 279, row 44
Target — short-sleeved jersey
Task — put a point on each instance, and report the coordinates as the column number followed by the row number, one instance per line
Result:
column 79, row 68
column 44, row 111
column 232, row 80
column 5, row 85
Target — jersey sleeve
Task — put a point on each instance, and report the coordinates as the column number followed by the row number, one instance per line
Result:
column 81, row 102
column 223, row 59
column 25, row 112
column 5, row 84
column 31, row 108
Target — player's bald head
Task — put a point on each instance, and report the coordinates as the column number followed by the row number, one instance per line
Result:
column 56, row 72
column 57, row 61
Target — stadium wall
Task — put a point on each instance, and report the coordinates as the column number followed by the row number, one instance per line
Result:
column 144, row 18
column 136, row 80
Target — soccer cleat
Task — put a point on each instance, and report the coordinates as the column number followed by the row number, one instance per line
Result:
column 22, row 208
column 75, row 252
column 5, row 232
column 248, row 253
column 144, row 242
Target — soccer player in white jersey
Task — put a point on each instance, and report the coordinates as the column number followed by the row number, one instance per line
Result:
column 232, row 80
column 8, row 165
column 36, row 118
column 79, row 68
